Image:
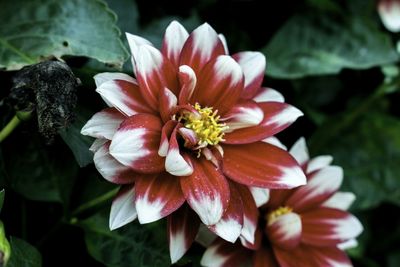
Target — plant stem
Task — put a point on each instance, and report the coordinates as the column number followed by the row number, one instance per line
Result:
column 95, row 202
column 7, row 130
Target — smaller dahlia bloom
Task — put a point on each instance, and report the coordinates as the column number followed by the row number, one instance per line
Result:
column 307, row 226
column 191, row 134
column 389, row 12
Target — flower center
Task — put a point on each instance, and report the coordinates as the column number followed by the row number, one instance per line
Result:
column 275, row 214
column 207, row 127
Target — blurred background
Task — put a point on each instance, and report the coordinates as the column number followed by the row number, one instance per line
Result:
column 333, row 59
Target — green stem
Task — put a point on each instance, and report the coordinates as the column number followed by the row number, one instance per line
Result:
column 7, row 130
column 95, row 202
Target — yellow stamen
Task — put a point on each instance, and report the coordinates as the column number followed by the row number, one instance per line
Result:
column 275, row 214
column 206, row 126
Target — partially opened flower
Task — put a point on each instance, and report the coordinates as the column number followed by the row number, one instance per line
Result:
column 194, row 126
column 306, row 226
column 389, row 12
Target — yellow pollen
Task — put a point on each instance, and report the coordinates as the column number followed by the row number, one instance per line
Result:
column 275, row 214
column 206, row 126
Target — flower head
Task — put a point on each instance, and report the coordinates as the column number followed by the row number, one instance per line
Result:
column 194, row 126
column 305, row 226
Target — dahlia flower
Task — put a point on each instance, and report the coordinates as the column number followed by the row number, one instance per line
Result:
column 194, row 126
column 306, row 226
column 389, row 12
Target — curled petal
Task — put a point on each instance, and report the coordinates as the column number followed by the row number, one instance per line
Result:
column 136, row 142
column 207, row 191
column 340, row 200
column 124, row 96
column 168, row 102
column 157, row 196
column 166, row 132
column 271, row 167
column 202, row 45
column 188, row 80
column 175, row 163
column 103, row 77
column 123, row 209
column 320, row 186
column 327, row 226
column 242, row 115
column 285, row 230
column 223, row 40
column 253, row 66
column 174, row 39
column 277, row 117
column 103, row 124
column 219, row 84
column 265, row 94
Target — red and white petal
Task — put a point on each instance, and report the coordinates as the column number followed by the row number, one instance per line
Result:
column 224, row 254
column 134, row 43
column 230, row 226
column 103, row 77
column 111, row 169
column 329, row 257
column 220, row 84
column 166, row 132
column 318, row 163
column 321, row 185
column 188, row 81
column 277, row 117
column 98, row 143
column 271, row 167
column 285, row 230
column 123, row 209
column 157, row 196
column 327, row 226
column 168, row 102
column 260, row 195
column 224, row 42
column 124, row 96
column 154, row 73
column 136, row 142
column 202, row 45
column 103, row 124
column 174, row 39
column 275, row 141
column 340, row 200
column 253, row 66
column 242, row 115
column 389, row 12
column 207, row 191
column 265, row 94
column 250, row 214
column 175, row 163
column 299, row 151
column 183, row 226
column 299, row 257
column 264, row 258
column 351, row 243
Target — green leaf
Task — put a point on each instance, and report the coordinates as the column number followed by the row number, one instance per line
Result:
column 78, row 143
column 39, row 173
column 321, row 44
column 23, row 254
column 369, row 152
column 33, row 30
column 132, row 245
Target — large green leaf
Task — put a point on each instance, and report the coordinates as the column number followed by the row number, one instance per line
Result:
column 321, row 44
column 33, row 30
column 369, row 152
column 39, row 173
column 23, row 254
column 132, row 245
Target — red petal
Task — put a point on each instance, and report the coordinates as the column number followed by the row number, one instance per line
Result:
column 253, row 66
column 327, row 226
column 174, row 39
column 124, row 96
column 270, row 167
column 136, row 142
column 299, row 257
column 103, row 124
column 277, row 117
column 320, row 186
column 231, row 223
column 285, row 230
column 206, row 191
column 202, row 45
column 219, row 84
column 123, row 209
column 183, row 226
column 154, row 73
column 176, row 163
column 166, row 132
column 264, row 258
column 168, row 103
column 157, row 197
